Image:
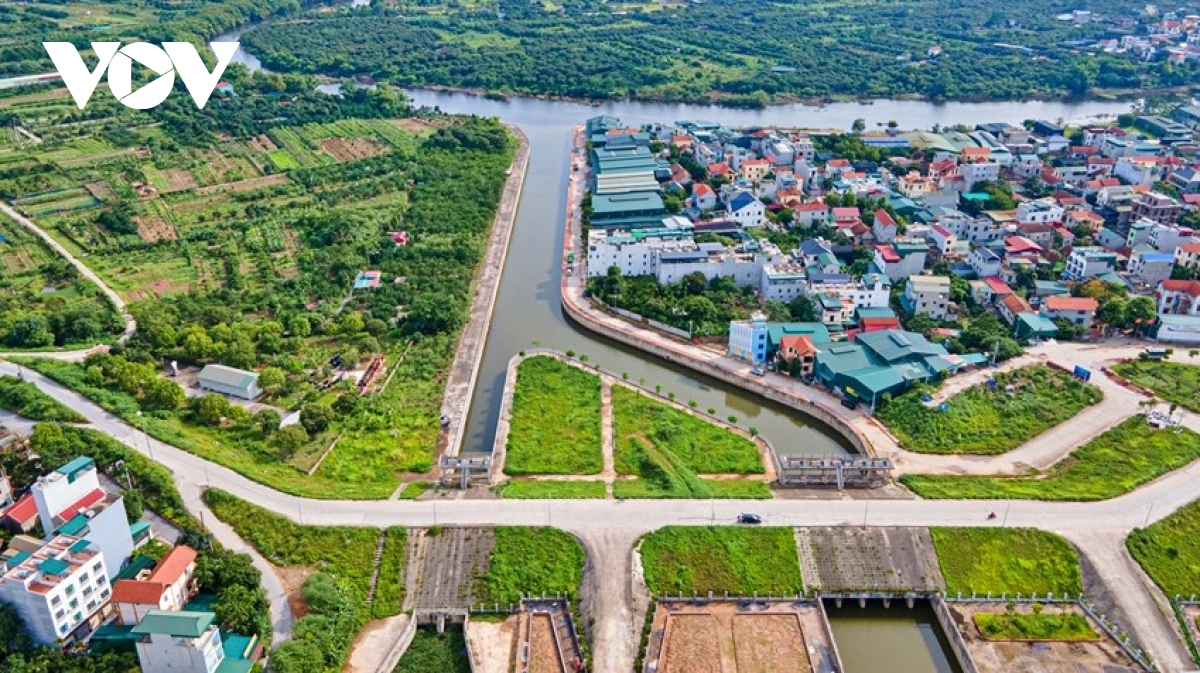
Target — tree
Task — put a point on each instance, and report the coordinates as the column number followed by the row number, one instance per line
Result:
column 164, row 394
column 316, row 417
column 271, row 380
column 300, row 326
column 803, row 310
column 135, row 506
column 1140, row 308
column 31, row 331
column 240, row 609
column 210, row 408
column 434, row 313
column 1112, row 311
column 267, row 421
column 291, row 438
column 921, row 322
column 859, row 125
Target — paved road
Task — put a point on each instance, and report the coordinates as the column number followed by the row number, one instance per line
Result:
column 595, row 520
column 113, row 297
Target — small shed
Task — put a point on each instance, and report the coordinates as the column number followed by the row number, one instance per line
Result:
column 229, row 381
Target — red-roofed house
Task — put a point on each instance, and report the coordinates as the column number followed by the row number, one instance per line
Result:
column 703, row 197
column 884, row 227
column 720, row 170
column 879, row 323
column 1188, row 255
column 1021, row 246
column 942, row 240
column 1079, row 310
column 1012, row 305
column 799, row 348
column 807, row 214
column 21, row 516
column 846, row 215
column 974, row 155
column 755, row 169
column 1178, row 297
column 168, row 587
column 682, row 143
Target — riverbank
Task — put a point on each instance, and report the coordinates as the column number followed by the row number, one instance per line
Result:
column 464, row 370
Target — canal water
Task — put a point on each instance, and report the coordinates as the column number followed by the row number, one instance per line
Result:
column 527, row 313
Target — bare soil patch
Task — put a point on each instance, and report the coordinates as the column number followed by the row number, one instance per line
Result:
column 992, row 656
column 155, row 229
column 245, row 185
column 769, row 644
column 18, row 262
column 263, row 143
column 492, row 644
column 350, row 149
column 157, row 290
column 100, row 190
column 179, row 180
column 292, row 578
column 692, row 645
column 414, row 125
column 543, row 657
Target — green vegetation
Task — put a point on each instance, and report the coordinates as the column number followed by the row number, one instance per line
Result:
column 668, row 448
column 714, row 51
column 228, row 257
column 555, row 425
column 346, row 553
column 1174, row 382
column 707, row 305
column 19, row 653
column 25, row 399
column 985, row 420
column 415, row 490
column 1114, row 463
column 548, row 490
column 431, row 652
column 719, row 559
column 1169, row 550
column 1065, row 627
column 1009, row 561
column 531, row 561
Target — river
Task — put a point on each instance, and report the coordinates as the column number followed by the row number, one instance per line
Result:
column 528, row 313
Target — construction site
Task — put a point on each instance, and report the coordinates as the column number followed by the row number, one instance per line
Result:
column 740, row 636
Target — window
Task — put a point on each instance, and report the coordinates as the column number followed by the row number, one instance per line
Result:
column 55, row 601
column 59, row 614
column 71, row 590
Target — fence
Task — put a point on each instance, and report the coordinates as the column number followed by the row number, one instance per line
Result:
column 1178, row 603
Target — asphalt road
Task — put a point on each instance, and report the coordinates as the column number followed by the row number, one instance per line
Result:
column 1108, row 520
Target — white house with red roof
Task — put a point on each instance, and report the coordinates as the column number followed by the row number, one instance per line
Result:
column 168, row 587
column 1178, row 297
column 70, row 502
column 884, row 227
column 1188, row 256
column 942, row 240
column 21, row 516
column 1079, row 310
column 703, row 197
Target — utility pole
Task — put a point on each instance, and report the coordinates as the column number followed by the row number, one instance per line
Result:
column 1006, row 508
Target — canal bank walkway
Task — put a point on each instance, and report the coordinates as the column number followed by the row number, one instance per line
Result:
column 468, row 357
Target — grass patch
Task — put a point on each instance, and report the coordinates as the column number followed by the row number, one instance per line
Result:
column 345, row 552
column 431, row 652
column 1169, row 551
column 1114, row 463
column 1006, row 561
column 1171, row 381
column 1067, row 627
column 389, row 588
column 555, row 420
column 674, row 488
column 690, row 442
column 531, row 561
column 25, row 399
column 985, row 420
column 546, row 490
column 415, row 490
column 720, row 559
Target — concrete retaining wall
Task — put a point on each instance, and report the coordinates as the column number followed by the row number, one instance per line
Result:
column 957, row 645
column 814, row 409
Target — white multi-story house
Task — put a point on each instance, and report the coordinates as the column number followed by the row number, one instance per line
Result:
column 884, row 227
column 1078, row 310
column 746, row 209
column 179, row 642
column 748, row 339
column 873, row 290
column 942, row 239
column 1188, row 255
column 929, row 295
column 1090, row 261
column 636, row 252
column 71, row 502
column 783, row 282
column 983, row 171
column 744, row 265
column 1178, row 297
column 59, row 589
column 901, row 258
column 167, row 587
column 985, row 262
column 1041, row 211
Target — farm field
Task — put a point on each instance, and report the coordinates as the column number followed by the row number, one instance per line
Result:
column 1114, row 463
column 989, row 420
column 237, row 241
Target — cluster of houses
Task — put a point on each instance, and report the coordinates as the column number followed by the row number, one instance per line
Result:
column 1104, row 202
column 1149, row 35
column 81, row 582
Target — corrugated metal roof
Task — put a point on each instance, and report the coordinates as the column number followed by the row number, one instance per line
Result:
column 228, row 376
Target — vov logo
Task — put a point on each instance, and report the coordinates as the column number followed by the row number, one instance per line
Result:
column 165, row 61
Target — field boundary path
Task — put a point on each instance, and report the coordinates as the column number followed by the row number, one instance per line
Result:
column 113, row 298
column 468, row 357
column 607, row 525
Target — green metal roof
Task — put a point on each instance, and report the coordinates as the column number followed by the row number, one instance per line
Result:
column 179, row 624
column 893, row 345
column 53, row 566
column 80, row 545
column 228, row 376
column 73, row 468
column 624, row 203
column 843, row 358
column 136, row 565
column 75, row 526
column 19, row 558
column 235, row 665
column 873, row 380
column 815, row 331
column 875, row 312
column 238, row 646
column 1035, row 324
column 139, row 529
